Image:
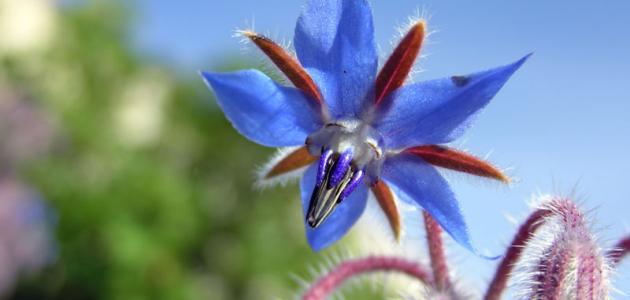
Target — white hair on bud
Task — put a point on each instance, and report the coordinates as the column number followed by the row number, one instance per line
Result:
column 262, row 182
column 579, row 241
column 526, row 267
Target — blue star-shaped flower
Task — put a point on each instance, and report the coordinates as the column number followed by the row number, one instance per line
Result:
column 359, row 129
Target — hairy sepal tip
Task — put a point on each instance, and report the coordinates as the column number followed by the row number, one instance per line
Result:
column 296, row 159
column 397, row 67
column 286, row 62
column 453, row 159
column 286, row 164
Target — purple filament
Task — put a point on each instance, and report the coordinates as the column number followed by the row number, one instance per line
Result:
column 323, row 164
column 352, row 185
column 341, row 167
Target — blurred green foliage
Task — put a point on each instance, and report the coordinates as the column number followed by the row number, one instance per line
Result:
column 167, row 212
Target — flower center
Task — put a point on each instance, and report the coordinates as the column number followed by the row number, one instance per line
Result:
column 349, row 154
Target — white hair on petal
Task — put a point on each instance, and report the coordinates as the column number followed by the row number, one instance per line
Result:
column 282, row 179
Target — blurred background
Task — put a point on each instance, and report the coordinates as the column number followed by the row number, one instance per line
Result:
column 121, row 179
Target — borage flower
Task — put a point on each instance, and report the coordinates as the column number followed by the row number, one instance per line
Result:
column 359, row 130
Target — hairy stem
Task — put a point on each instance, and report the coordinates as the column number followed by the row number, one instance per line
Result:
column 499, row 282
column 436, row 252
column 327, row 284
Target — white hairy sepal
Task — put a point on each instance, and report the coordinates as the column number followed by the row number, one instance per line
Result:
column 420, row 15
column 263, row 182
column 259, row 60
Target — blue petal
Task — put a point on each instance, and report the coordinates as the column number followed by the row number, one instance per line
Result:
column 414, row 181
column 334, row 40
column 262, row 110
column 341, row 219
column 438, row 111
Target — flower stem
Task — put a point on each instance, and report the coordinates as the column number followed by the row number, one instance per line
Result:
column 499, row 282
column 436, row 252
column 327, row 284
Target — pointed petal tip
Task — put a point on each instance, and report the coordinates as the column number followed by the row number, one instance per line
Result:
column 470, row 247
column 203, row 74
column 317, row 247
column 215, row 79
column 237, row 92
column 511, row 68
column 208, row 77
column 490, row 257
column 467, row 243
column 522, row 60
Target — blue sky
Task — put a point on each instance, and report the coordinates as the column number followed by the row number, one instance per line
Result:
column 561, row 123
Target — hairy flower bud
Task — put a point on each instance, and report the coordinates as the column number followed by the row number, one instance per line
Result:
column 571, row 265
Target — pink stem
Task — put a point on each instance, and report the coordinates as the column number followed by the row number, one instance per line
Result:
column 499, row 282
column 327, row 284
column 620, row 251
column 436, row 252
